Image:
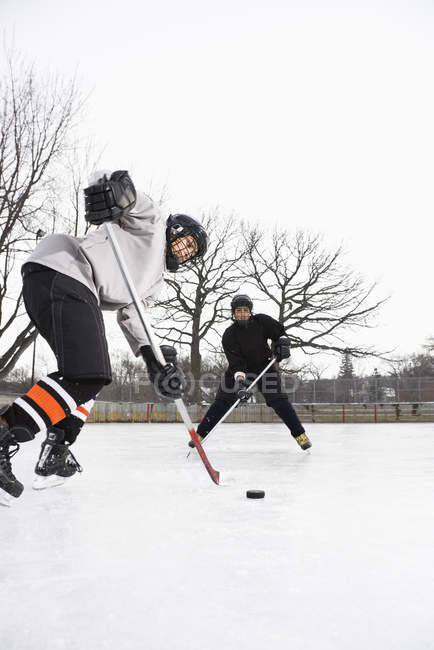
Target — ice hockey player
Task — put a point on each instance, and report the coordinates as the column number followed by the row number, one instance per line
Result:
column 67, row 282
column 245, row 344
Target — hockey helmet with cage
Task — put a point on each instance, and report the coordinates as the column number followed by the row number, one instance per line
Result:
column 181, row 225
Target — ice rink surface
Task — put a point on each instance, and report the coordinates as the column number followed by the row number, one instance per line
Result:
column 143, row 551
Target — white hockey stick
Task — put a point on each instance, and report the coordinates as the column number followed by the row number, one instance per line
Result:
column 156, row 347
column 235, row 404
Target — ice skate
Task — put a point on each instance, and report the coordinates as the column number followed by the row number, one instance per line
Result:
column 56, row 462
column 9, row 484
column 303, row 441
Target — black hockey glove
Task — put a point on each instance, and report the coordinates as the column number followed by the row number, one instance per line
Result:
column 111, row 199
column 242, row 387
column 281, row 348
column 168, row 380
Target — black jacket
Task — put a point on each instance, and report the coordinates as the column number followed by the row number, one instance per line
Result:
column 246, row 348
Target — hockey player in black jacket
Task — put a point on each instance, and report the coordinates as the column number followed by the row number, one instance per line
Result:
column 245, row 344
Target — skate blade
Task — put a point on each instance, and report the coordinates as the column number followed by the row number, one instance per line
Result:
column 44, row 482
column 5, row 499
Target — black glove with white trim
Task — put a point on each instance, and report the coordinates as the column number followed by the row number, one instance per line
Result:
column 168, row 380
column 242, row 387
column 110, row 199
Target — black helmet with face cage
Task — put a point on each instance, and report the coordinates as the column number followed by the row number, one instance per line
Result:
column 181, row 225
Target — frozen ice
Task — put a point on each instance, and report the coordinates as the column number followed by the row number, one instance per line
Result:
column 143, row 551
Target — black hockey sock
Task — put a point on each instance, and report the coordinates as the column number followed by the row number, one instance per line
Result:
column 73, row 424
column 285, row 411
column 71, row 427
column 215, row 412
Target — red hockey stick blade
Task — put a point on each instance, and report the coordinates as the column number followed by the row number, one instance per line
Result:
column 215, row 475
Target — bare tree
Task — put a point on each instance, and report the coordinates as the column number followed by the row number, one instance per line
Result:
column 429, row 345
column 310, row 370
column 194, row 304
column 79, row 161
column 36, row 118
column 318, row 298
column 418, row 364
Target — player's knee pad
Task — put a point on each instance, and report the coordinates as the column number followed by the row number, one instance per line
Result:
column 17, row 431
column 22, row 434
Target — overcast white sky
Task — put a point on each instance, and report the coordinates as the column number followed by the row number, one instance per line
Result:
column 307, row 114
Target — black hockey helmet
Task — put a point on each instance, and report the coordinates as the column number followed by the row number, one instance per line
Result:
column 181, row 225
column 241, row 300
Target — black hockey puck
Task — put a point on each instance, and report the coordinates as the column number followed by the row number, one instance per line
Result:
column 255, row 494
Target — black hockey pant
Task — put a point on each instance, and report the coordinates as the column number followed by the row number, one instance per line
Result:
column 67, row 315
column 282, row 407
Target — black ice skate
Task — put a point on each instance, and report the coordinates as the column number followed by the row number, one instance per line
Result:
column 9, row 485
column 56, row 462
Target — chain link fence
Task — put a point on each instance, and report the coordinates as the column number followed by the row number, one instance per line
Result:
column 371, row 390
column 368, row 390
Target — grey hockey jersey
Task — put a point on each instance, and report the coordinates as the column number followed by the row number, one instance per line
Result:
column 90, row 260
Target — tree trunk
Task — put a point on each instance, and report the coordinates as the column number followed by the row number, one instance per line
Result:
column 22, row 341
column 196, row 360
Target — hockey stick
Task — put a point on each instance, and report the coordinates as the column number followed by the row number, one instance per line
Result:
column 156, row 348
column 235, row 404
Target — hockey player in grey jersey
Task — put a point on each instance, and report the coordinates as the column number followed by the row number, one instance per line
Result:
column 67, row 283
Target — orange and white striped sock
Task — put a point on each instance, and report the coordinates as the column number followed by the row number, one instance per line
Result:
column 51, row 400
column 46, row 403
column 83, row 411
